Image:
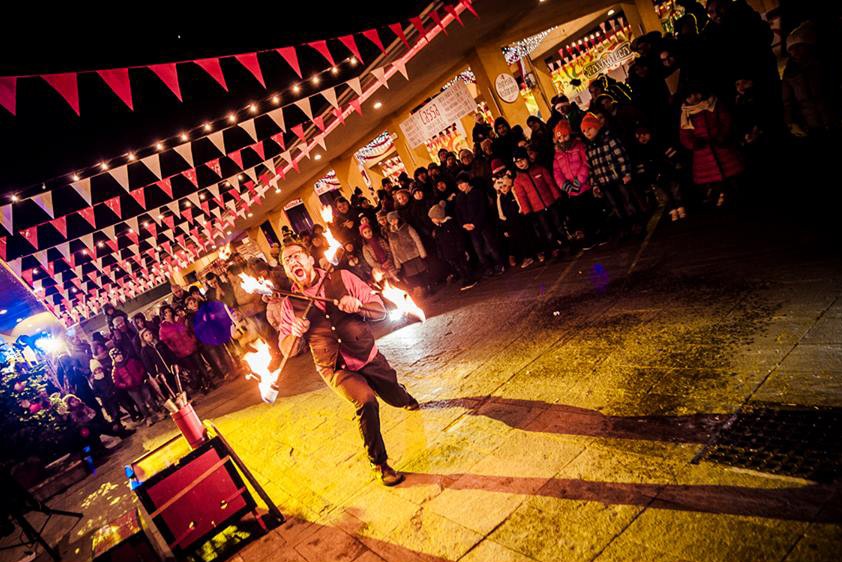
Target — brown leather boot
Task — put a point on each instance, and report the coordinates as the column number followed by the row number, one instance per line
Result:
column 387, row 475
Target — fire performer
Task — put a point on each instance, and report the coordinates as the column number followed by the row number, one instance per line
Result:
column 343, row 346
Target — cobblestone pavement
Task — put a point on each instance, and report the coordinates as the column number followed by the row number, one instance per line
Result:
column 565, row 410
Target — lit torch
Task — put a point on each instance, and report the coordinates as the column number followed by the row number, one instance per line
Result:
column 404, row 305
column 258, row 361
column 253, row 285
column 225, row 252
column 333, row 245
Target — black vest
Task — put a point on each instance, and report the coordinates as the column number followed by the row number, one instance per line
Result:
column 331, row 329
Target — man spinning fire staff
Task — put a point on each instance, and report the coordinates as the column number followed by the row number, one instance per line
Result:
column 343, row 346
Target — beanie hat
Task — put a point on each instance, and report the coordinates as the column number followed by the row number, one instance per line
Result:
column 94, row 365
column 590, row 120
column 393, row 215
column 519, row 153
column 562, row 127
column 437, row 212
column 404, row 191
column 365, row 227
column 497, row 166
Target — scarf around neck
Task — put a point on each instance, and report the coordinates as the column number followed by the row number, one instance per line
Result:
column 688, row 111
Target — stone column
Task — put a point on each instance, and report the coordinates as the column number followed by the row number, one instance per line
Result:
column 487, row 62
column 642, row 17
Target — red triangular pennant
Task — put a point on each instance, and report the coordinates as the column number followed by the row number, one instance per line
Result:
column 320, row 122
column 65, row 84
column 249, row 60
column 8, row 93
column 357, row 106
column 30, row 235
column 114, row 205
column 279, row 139
column 452, row 11
column 237, row 158
column 205, row 205
column 139, row 195
column 191, row 175
column 214, row 165
column 152, row 227
column 467, row 4
column 351, row 44
column 166, row 186
column 169, row 220
column 2, row 248
column 188, row 214
column 118, row 80
column 339, row 114
column 299, row 131
column 169, row 76
column 437, row 19
column 87, row 213
column 291, row 57
column 212, row 67
column 419, row 26
column 321, row 47
column 258, row 148
column 373, row 36
column 60, row 224
column 397, row 29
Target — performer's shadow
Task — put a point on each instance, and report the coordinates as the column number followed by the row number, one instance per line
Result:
column 814, row 502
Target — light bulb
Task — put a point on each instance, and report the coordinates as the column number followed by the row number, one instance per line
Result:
column 252, row 108
column 75, row 177
column 232, row 118
column 184, row 137
column 334, row 71
column 132, row 157
column 296, row 88
column 103, row 166
column 316, row 80
column 378, row 104
column 276, row 99
column 159, row 146
column 206, row 126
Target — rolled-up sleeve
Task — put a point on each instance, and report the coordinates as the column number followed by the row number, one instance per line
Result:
column 287, row 317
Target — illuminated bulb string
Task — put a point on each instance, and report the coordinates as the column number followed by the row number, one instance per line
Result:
column 521, row 49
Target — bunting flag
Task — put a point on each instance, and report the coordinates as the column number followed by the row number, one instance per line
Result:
column 467, row 4
column 83, row 188
column 87, row 213
column 60, row 224
column 320, row 123
column 121, row 174
column 218, row 140
column 418, row 24
column 277, row 115
column 258, row 148
column 8, row 94
column 186, row 152
column 191, row 175
column 330, row 95
column 249, row 60
column 351, row 44
column 118, row 80
column 65, row 84
column 214, row 166
column 380, row 74
column 291, row 57
column 237, row 158
column 304, row 105
column 31, row 235
column 114, row 205
column 139, row 195
column 339, row 115
column 374, row 36
column 45, row 201
column 321, row 47
column 3, row 247
column 357, row 106
column 6, row 219
column 214, row 70
column 400, row 66
column 299, row 131
column 168, row 75
column 278, row 138
column 354, row 84
column 166, row 186
column 153, row 163
column 320, row 140
column 452, row 11
column 88, row 242
column 397, row 29
column 437, row 20
column 248, row 126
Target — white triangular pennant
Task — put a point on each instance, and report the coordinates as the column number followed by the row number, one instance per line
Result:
column 304, row 105
column 109, row 232
column 132, row 222
column 252, row 173
column 83, row 188
column 214, row 189
column 45, row 201
column 169, row 234
column 64, row 249
column 173, row 207
column 320, row 140
column 380, row 74
column 400, row 65
column 286, row 155
column 153, row 162
column 354, row 84
column 330, row 95
column 88, row 241
column 194, row 198
column 186, row 151
column 218, row 141
column 121, row 174
column 216, row 211
column 41, row 257
column 277, row 115
column 248, row 126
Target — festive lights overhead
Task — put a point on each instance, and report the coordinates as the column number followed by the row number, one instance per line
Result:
column 522, row 48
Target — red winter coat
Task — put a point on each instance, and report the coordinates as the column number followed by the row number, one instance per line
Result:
column 714, row 157
column 129, row 375
column 572, row 164
column 178, row 338
column 535, row 189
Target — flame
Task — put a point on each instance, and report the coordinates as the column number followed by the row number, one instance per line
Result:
column 258, row 361
column 377, row 275
column 253, row 285
column 404, row 303
column 327, row 214
column 225, row 252
column 333, row 246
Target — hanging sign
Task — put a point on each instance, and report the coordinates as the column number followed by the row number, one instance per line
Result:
column 609, row 60
column 507, row 88
column 293, row 203
column 440, row 113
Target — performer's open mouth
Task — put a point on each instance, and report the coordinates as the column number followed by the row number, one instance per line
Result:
column 298, row 272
